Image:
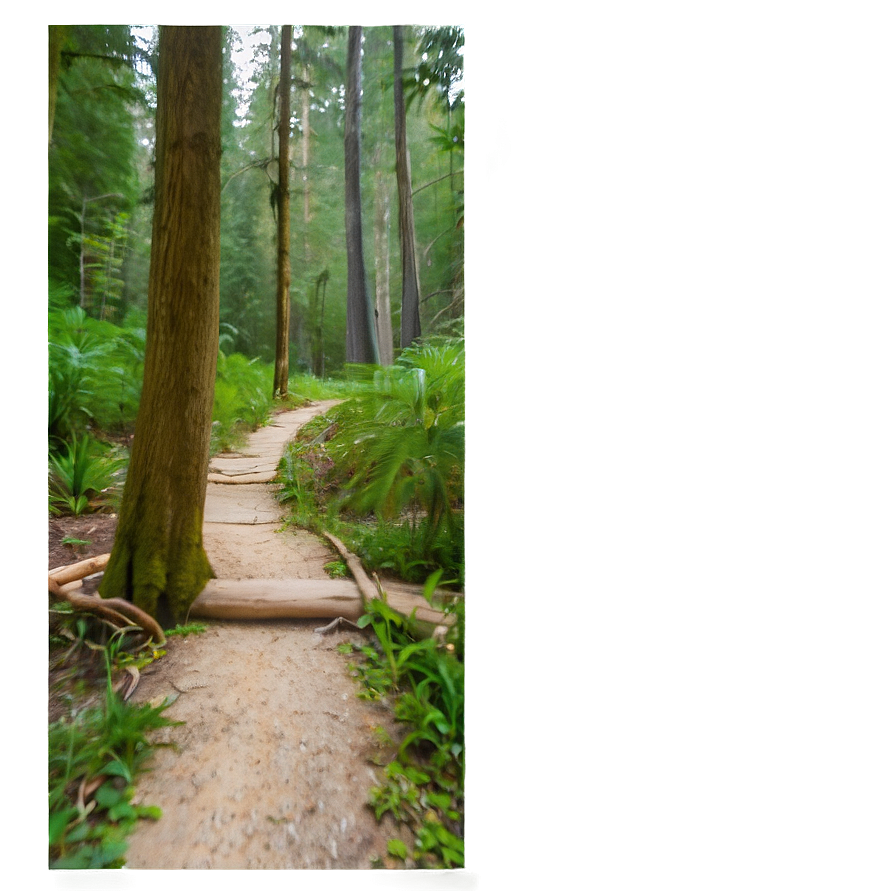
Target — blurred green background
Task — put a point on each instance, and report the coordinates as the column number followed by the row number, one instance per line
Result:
column 680, row 330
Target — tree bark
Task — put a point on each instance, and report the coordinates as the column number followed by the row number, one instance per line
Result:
column 306, row 161
column 381, row 253
column 158, row 560
column 410, row 282
column 57, row 39
column 281, row 360
column 360, row 340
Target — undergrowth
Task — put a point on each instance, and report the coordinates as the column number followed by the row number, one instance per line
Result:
column 94, row 756
column 384, row 471
column 101, row 742
column 423, row 678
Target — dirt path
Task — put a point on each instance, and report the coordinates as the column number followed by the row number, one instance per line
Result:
column 272, row 769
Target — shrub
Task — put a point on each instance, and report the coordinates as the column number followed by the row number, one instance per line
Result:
column 95, row 375
column 82, row 471
column 399, row 447
column 243, row 401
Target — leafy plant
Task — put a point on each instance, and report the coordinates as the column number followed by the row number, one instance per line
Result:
column 93, row 759
column 423, row 786
column 82, row 470
column 242, row 399
column 336, row 569
column 400, row 444
column 76, row 354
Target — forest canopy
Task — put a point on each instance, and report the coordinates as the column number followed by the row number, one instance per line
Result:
column 101, row 182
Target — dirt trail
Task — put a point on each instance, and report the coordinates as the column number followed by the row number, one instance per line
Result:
column 272, row 768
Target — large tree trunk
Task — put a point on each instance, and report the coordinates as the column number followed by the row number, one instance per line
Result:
column 381, row 253
column 410, row 282
column 360, row 341
column 158, row 560
column 281, row 360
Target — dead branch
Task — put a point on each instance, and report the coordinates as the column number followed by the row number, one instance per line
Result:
column 65, row 574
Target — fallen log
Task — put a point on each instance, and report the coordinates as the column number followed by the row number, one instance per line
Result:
column 115, row 609
column 278, row 599
column 65, row 574
column 365, row 583
column 300, row 599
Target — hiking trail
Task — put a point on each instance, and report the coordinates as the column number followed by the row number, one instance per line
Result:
column 272, row 768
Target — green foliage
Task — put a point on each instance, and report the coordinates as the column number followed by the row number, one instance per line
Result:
column 95, row 376
column 243, row 402
column 304, row 387
column 405, row 549
column 423, row 786
column 92, row 170
column 400, row 446
column 296, row 477
column 394, row 451
column 83, row 470
column 440, row 69
column 190, row 628
column 336, row 569
column 108, row 741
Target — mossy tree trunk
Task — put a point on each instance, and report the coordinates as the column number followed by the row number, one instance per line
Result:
column 158, row 560
column 281, row 360
column 360, row 341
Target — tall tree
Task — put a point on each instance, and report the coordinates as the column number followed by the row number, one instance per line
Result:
column 360, row 342
column 382, row 280
column 281, row 358
column 158, row 560
column 410, row 282
column 91, row 158
column 57, row 40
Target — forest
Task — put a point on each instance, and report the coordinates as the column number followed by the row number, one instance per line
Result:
column 245, row 225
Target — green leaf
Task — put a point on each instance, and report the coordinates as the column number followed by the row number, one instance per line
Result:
column 397, row 848
column 59, row 821
column 118, row 768
column 122, row 810
column 108, row 795
column 452, row 857
column 153, row 812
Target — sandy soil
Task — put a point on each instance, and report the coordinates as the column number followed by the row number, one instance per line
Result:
column 272, row 769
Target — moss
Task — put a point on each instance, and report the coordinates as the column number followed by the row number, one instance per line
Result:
column 160, row 572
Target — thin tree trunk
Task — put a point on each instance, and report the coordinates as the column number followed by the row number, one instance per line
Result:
column 57, row 39
column 410, row 282
column 360, row 341
column 158, row 560
column 381, row 253
column 306, row 160
column 82, row 264
column 281, row 361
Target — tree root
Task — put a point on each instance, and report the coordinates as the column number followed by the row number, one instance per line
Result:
column 114, row 609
